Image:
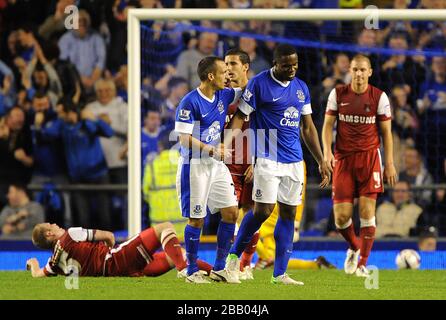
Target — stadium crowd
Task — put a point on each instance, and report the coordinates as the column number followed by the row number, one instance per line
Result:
column 63, row 100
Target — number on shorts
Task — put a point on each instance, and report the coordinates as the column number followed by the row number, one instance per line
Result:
column 377, row 178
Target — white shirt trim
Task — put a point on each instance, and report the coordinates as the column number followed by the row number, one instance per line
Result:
column 237, row 94
column 331, row 103
column 384, row 106
column 182, row 127
column 48, row 268
column 204, row 97
column 245, row 107
column 306, row 109
column 283, row 84
column 78, row 234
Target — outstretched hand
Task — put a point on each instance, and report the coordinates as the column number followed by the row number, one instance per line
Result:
column 325, row 172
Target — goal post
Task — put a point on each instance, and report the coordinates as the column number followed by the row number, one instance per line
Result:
column 135, row 16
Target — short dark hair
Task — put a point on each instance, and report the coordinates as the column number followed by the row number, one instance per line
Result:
column 22, row 187
column 40, row 94
column 283, row 50
column 243, row 56
column 206, row 66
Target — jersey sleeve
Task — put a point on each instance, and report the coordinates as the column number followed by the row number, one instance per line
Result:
column 247, row 103
column 48, row 269
column 384, row 112
column 81, row 234
column 332, row 105
column 237, row 94
column 184, row 119
column 306, row 109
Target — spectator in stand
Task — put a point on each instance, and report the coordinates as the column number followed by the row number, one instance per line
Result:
column 85, row 160
column 7, row 88
column 19, row 217
column 416, row 174
column 258, row 64
column 437, row 209
column 396, row 218
column 177, row 90
column 188, row 60
column 85, row 48
column 15, row 150
column 54, row 24
column 150, row 135
column 388, row 27
column 405, row 124
column 433, row 90
column 427, row 240
column 26, row 41
column 40, row 75
column 68, row 75
column 338, row 71
column 113, row 110
column 121, row 81
column 401, row 69
column 48, row 154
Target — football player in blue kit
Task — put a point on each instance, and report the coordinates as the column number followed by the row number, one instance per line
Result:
column 204, row 183
column 280, row 109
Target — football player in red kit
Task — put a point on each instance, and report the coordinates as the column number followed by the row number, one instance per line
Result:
column 360, row 110
column 240, row 165
column 92, row 252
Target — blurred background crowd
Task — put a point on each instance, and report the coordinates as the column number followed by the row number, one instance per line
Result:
column 63, row 105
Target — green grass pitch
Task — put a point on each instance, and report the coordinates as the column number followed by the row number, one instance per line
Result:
column 319, row 284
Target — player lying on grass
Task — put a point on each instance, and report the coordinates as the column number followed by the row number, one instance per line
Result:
column 92, row 252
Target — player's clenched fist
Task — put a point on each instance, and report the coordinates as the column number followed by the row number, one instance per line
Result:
column 221, row 153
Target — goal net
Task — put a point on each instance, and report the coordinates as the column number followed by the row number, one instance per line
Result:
column 406, row 48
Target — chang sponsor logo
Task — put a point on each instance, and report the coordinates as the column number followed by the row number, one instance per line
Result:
column 213, row 133
column 290, row 117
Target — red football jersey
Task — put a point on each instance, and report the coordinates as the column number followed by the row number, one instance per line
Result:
column 357, row 118
column 75, row 249
column 240, row 159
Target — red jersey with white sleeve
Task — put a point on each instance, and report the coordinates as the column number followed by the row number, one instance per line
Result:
column 76, row 249
column 357, row 118
column 240, row 160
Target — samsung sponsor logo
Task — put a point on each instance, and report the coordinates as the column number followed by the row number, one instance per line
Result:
column 357, row 119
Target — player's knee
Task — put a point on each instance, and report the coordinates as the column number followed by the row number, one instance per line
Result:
column 196, row 223
column 230, row 215
column 262, row 215
column 341, row 220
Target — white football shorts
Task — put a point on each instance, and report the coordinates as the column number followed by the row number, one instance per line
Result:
column 204, row 186
column 275, row 181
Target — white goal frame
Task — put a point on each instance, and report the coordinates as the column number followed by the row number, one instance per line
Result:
column 134, row 64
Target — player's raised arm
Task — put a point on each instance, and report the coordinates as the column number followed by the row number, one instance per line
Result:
column 389, row 168
column 311, row 139
column 33, row 265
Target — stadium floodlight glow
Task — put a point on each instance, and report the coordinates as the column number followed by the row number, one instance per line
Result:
column 134, row 63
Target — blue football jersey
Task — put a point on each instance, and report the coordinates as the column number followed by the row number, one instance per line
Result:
column 276, row 109
column 203, row 118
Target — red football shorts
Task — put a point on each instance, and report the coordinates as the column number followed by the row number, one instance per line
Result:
column 357, row 175
column 243, row 190
column 132, row 256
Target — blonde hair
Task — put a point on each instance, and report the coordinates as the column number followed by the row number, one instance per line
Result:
column 361, row 57
column 39, row 238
